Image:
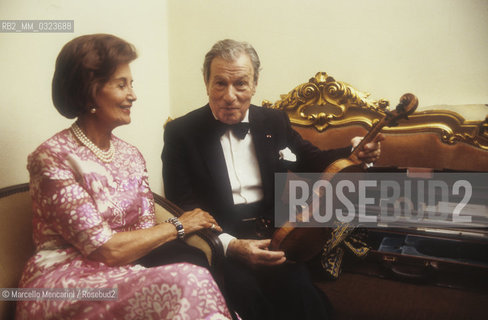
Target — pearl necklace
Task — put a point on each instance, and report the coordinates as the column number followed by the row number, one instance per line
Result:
column 105, row 156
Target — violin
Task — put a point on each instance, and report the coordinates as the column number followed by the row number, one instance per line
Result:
column 302, row 244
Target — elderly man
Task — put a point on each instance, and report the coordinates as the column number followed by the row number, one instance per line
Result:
column 222, row 158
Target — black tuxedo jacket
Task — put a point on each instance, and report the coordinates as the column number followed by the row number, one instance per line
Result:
column 194, row 169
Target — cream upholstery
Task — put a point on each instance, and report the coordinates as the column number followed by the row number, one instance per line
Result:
column 16, row 245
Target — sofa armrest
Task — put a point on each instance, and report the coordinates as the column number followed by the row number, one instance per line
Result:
column 205, row 240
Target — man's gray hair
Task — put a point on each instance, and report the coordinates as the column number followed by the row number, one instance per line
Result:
column 231, row 50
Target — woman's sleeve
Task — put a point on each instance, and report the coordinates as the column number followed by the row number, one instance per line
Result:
column 64, row 204
column 147, row 217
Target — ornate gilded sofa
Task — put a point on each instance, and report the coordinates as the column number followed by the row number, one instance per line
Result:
column 16, row 245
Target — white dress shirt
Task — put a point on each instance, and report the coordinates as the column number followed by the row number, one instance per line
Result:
column 243, row 170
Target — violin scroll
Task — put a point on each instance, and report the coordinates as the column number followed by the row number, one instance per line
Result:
column 407, row 105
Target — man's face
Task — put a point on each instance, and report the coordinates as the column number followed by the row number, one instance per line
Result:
column 230, row 88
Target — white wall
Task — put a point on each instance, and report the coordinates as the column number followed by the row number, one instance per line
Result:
column 436, row 49
column 27, row 116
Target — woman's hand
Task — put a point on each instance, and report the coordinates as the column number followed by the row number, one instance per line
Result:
column 126, row 247
column 197, row 219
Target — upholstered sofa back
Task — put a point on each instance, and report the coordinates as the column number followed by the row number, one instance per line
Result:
column 420, row 149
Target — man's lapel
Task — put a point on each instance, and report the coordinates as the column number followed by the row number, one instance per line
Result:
column 263, row 142
column 213, row 157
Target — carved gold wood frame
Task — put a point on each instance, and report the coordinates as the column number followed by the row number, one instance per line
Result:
column 323, row 102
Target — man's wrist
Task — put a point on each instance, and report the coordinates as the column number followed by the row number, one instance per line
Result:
column 226, row 239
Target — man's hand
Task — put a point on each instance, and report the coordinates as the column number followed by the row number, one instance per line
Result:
column 255, row 252
column 371, row 151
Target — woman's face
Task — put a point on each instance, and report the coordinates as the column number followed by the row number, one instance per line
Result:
column 114, row 100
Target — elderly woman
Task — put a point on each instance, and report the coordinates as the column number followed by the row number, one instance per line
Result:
column 93, row 209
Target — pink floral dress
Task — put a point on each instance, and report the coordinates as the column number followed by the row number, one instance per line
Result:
column 79, row 203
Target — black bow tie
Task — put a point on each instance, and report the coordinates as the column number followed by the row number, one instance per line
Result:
column 240, row 129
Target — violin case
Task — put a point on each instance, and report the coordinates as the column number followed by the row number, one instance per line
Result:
column 415, row 273
column 412, row 275
column 427, row 258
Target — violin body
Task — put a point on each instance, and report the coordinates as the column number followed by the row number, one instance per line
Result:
column 302, row 244
column 344, row 165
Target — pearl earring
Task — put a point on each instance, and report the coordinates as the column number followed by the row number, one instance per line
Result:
column 93, row 110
